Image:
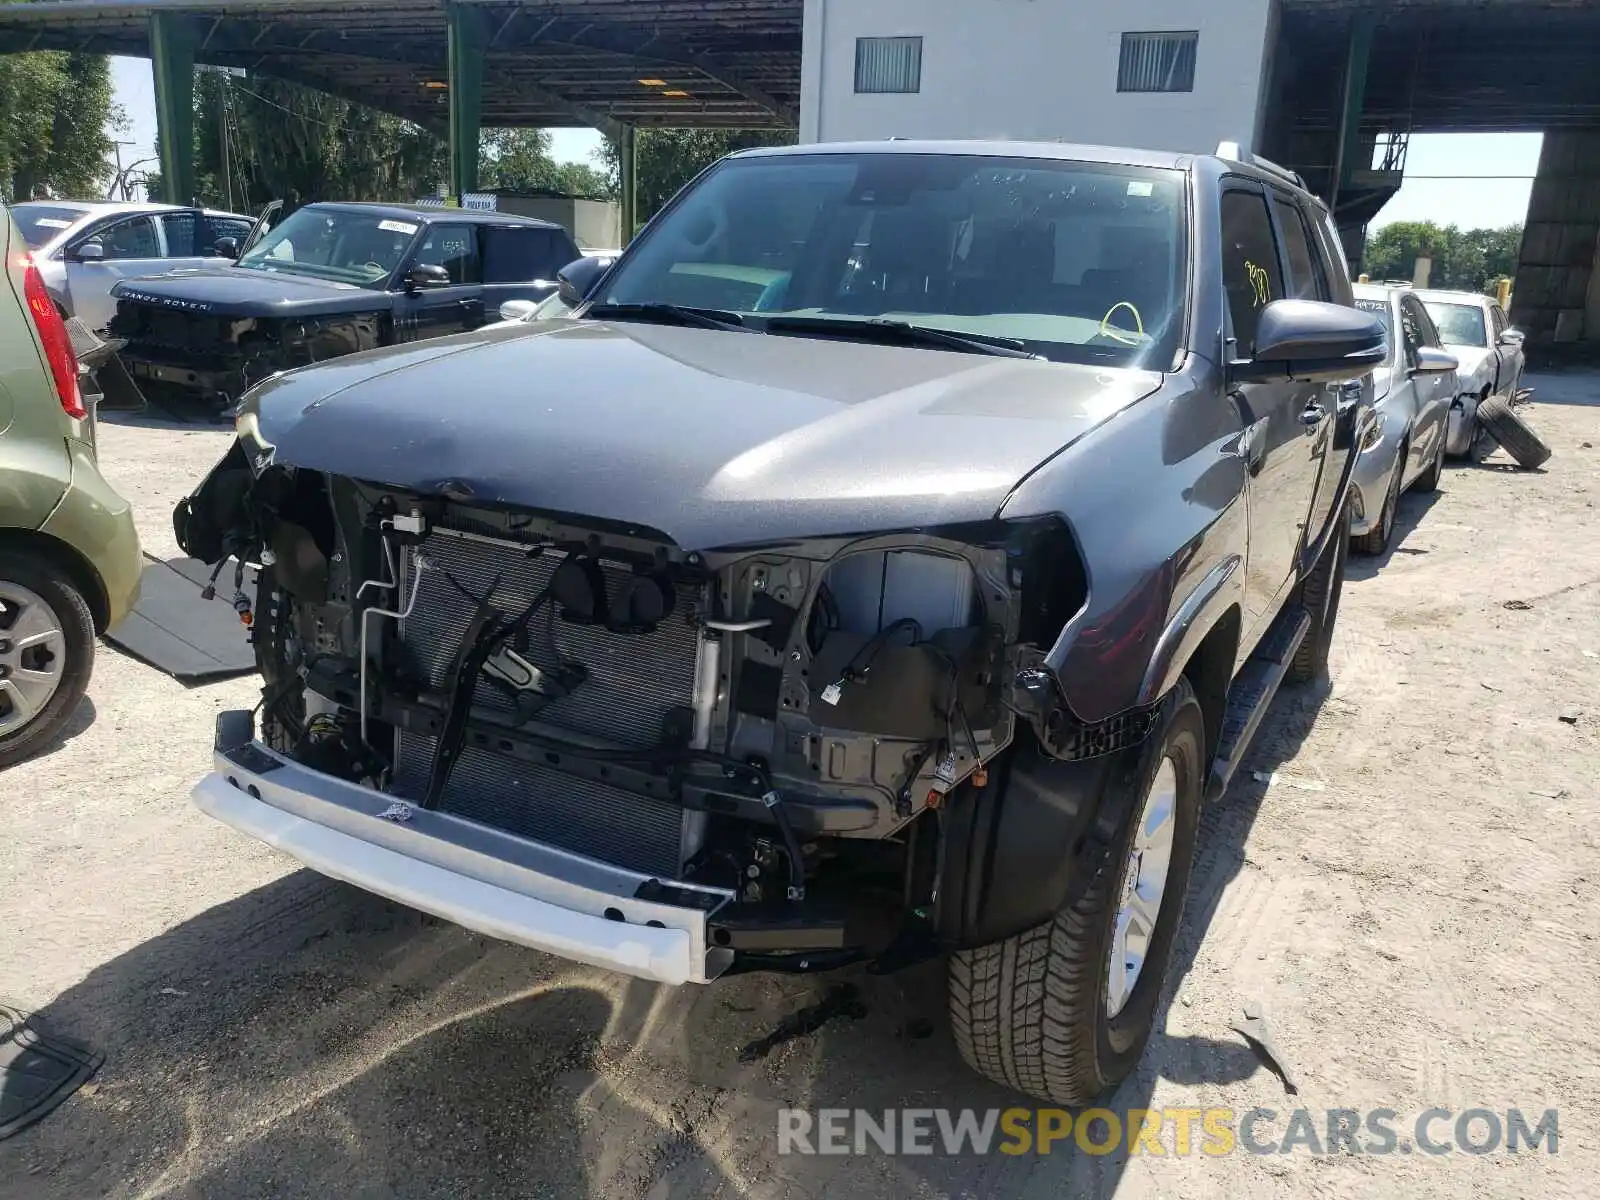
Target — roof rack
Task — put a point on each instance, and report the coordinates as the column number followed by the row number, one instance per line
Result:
column 1237, row 153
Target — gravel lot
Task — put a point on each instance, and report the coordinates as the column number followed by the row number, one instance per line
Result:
column 1412, row 899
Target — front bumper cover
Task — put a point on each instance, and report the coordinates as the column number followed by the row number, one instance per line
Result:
column 486, row 880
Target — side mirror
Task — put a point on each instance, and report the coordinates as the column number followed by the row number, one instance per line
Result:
column 1311, row 339
column 92, row 250
column 426, row 275
column 1512, row 337
column 577, row 279
column 518, row 310
column 226, row 247
column 1431, row 361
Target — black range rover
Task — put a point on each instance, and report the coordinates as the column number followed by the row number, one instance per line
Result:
column 329, row 280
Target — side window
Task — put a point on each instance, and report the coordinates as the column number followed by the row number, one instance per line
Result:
column 1250, row 271
column 516, row 254
column 1415, row 333
column 1334, row 245
column 133, row 238
column 455, row 248
column 1417, row 317
column 1496, row 312
column 181, row 230
column 1306, row 279
column 221, row 227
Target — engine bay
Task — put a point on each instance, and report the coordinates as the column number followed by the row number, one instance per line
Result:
column 780, row 722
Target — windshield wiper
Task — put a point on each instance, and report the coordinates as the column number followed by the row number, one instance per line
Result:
column 903, row 333
column 670, row 314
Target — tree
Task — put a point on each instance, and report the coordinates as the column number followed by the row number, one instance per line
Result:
column 292, row 143
column 55, row 111
column 669, row 158
column 519, row 160
column 1468, row 260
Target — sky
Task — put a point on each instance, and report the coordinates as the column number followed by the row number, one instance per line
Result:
column 1459, row 200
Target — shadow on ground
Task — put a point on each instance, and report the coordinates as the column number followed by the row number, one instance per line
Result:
column 308, row 1039
column 1413, row 507
column 1574, row 385
column 79, row 722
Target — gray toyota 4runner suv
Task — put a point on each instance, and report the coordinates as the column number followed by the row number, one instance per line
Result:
column 893, row 555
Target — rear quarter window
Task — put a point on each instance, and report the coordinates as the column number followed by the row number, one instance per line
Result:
column 512, row 255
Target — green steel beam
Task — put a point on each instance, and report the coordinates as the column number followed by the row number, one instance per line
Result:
column 467, row 42
column 628, row 179
column 173, row 39
column 1357, row 58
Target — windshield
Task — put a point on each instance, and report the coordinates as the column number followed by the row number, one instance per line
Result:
column 1075, row 261
column 1459, row 324
column 41, row 223
column 331, row 243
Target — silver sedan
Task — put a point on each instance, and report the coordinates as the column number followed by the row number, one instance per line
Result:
column 1477, row 331
column 1414, row 389
column 84, row 247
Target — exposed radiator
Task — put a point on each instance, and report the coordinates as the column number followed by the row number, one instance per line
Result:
column 634, row 682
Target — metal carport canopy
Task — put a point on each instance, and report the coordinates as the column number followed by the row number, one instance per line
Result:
column 724, row 63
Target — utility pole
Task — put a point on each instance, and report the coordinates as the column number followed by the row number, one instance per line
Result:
column 121, row 182
column 227, row 169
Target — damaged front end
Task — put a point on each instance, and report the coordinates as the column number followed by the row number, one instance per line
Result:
column 191, row 352
column 735, row 759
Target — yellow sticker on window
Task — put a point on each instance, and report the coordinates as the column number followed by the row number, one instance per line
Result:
column 1260, row 283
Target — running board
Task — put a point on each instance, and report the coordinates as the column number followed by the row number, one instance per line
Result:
column 1251, row 695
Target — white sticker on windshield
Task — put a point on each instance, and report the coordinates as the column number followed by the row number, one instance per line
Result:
column 52, row 223
column 1141, row 187
column 397, row 227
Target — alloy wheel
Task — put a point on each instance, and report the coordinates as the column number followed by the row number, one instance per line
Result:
column 1144, row 886
column 33, row 655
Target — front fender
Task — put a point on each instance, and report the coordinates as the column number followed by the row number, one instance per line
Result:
column 1221, row 589
column 1156, row 500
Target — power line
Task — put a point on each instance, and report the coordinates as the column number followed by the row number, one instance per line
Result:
column 1408, row 176
column 299, row 115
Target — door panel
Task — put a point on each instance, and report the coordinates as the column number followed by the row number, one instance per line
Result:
column 1433, row 393
column 1512, row 358
column 1277, row 441
column 436, row 311
column 133, row 250
column 1327, row 410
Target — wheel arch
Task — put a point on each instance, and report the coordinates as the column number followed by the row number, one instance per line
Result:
column 1215, row 602
column 70, row 562
column 1209, row 670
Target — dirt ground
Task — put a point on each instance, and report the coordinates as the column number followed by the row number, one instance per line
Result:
column 1412, row 899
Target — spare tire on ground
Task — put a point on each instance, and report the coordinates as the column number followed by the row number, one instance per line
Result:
column 1512, row 432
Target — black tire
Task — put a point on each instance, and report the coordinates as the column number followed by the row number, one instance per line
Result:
column 1376, row 540
column 1512, row 432
column 1030, row 1012
column 66, row 603
column 1319, row 593
column 1428, row 481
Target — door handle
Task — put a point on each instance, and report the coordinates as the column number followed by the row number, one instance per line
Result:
column 1313, row 415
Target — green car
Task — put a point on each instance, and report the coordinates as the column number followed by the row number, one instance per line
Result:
column 69, row 557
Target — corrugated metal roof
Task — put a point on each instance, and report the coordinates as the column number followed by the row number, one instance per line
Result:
column 736, row 63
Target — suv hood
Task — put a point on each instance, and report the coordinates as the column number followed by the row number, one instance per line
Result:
column 243, row 292
column 713, row 439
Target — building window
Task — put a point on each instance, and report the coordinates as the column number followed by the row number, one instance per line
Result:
column 889, row 64
column 1156, row 62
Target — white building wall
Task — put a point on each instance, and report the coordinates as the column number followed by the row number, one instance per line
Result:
column 1036, row 69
